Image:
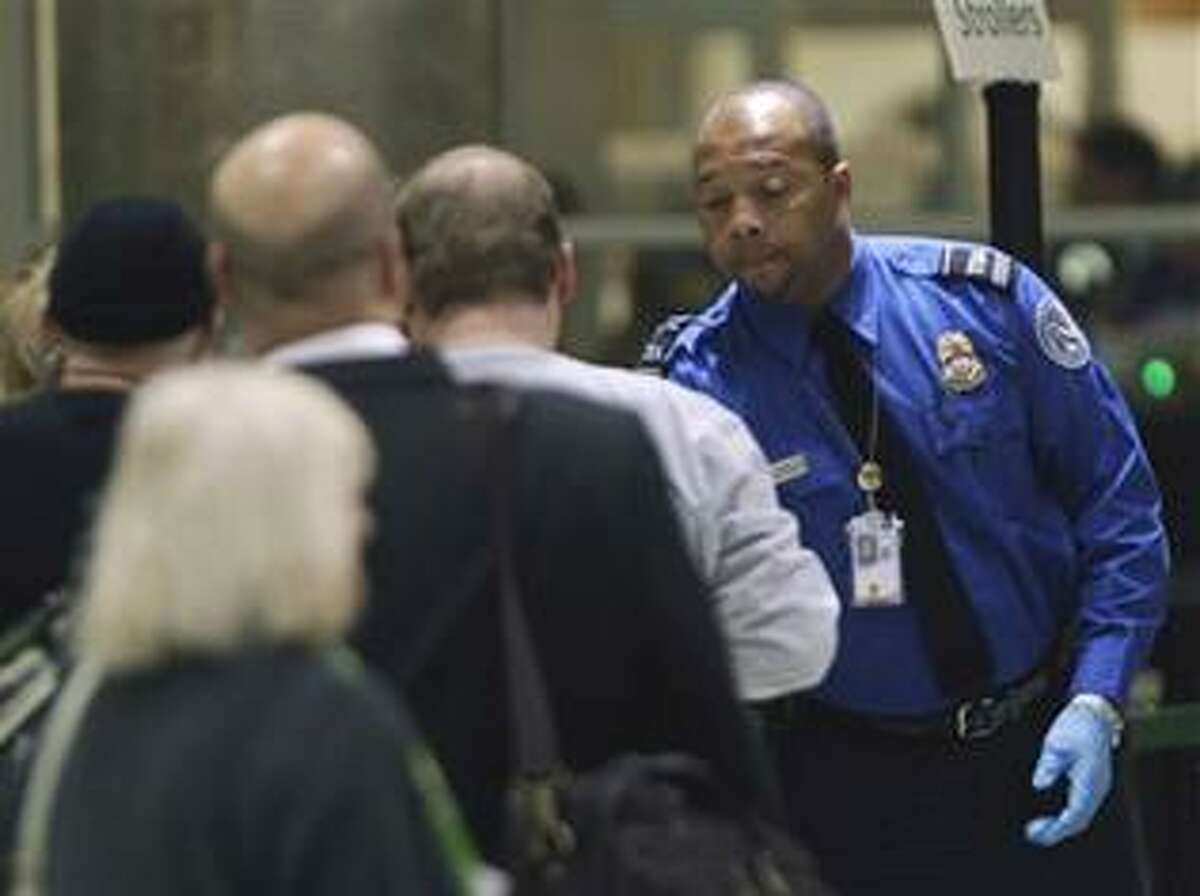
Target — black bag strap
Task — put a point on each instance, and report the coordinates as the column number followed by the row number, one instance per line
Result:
column 532, row 735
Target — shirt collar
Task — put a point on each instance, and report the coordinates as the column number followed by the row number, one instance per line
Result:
column 354, row 342
column 854, row 302
column 785, row 327
column 503, row 361
column 496, row 353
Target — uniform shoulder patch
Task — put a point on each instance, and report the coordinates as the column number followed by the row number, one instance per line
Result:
column 978, row 263
column 1058, row 336
column 658, row 346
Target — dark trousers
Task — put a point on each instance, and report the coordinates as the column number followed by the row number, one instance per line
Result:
column 892, row 815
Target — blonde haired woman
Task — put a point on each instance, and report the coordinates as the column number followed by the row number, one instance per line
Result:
column 225, row 752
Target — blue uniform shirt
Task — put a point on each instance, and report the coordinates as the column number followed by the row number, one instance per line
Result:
column 1046, row 501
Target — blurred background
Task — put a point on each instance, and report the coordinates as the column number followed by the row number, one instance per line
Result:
column 120, row 96
column 113, row 97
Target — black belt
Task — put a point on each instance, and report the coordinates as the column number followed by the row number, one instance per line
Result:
column 970, row 720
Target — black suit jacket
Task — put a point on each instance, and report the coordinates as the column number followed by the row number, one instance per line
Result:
column 620, row 620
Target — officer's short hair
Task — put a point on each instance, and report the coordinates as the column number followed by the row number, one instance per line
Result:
column 470, row 238
column 818, row 120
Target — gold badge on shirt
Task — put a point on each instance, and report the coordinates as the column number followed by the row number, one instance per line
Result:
column 962, row 371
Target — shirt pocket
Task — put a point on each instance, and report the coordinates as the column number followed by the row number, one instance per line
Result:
column 983, row 435
column 986, row 419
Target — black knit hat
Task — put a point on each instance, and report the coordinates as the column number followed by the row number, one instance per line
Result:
column 131, row 271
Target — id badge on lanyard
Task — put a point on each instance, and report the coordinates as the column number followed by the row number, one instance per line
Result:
column 876, row 539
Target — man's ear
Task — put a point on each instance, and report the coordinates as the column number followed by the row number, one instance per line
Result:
column 417, row 326
column 839, row 174
column 565, row 278
column 390, row 266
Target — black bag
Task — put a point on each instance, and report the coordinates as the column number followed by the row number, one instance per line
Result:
column 32, row 669
column 642, row 825
column 638, row 825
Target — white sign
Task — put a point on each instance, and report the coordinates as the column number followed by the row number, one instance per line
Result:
column 998, row 40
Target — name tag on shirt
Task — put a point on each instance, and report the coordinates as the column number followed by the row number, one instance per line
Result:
column 875, row 542
column 788, row 468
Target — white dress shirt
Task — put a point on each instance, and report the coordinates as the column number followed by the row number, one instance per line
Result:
column 774, row 600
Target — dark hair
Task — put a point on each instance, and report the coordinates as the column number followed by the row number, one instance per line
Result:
column 471, row 236
column 819, row 128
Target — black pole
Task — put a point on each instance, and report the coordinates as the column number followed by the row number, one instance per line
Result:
column 1014, row 171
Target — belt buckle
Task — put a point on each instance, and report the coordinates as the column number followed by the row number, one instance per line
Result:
column 978, row 719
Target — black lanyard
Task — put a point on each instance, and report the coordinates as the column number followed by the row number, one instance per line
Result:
column 853, row 390
column 958, row 650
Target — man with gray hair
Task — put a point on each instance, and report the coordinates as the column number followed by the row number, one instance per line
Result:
column 491, row 275
column 308, row 260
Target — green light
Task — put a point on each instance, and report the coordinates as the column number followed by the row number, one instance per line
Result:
column 1158, row 378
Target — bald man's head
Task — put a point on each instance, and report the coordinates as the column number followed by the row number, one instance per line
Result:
column 789, row 103
column 478, row 224
column 297, row 200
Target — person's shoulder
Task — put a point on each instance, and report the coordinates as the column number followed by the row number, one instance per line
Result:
column 567, row 414
column 580, row 442
column 396, row 396
column 685, row 333
column 325, row 696
column 951, row 262
column 697, row 412
column 692, row 415
column 416, row 368
column 634, row 385
column 67, row 419
column 995, row 289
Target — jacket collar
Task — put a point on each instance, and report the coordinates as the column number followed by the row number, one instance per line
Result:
column 349, row 343
column 855, row 302
column 418, row 367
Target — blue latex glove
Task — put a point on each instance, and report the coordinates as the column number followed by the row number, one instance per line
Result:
column 1078, row 745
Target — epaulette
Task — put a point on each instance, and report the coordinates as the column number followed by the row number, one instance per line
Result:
column 978, row 263
column 658, row 346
